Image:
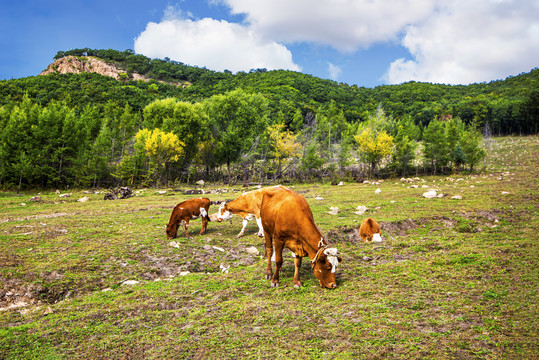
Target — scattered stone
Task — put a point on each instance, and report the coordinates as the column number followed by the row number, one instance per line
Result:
column 440, row 196
column 456, row 197
column 392, row 201
column 106, row 290
column 65, row 195
column 23, row 204
column 361, row 210
column 218, row 248
column 319, row 198
column 36, row 198
column 505, row 193
column 414, row 186
column 367, row 258
column 333, row 210
column 130, row 282
column 252, row 250
column 84, row 199
column 161, row 192
column 200, row 182
column 430, row 194
column 378, row 191
column 193, row 192
column 183, row 273
column 48, row 311
column 341, row 183
column 224, row 268
column 174, row 244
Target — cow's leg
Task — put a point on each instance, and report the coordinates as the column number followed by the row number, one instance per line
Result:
column 297, row 263
column 278, row 262
column 260, row 228
column 204, row 225
column 245, row 221
column 186, row 225
column 269, row 253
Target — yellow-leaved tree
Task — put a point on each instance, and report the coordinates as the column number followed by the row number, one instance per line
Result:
column 161, row 149
column 283, row 144
column 374, row 143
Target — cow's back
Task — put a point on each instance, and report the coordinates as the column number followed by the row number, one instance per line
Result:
column 285, row 213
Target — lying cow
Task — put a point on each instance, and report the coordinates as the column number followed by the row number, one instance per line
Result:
column 185, row 211
column 370, row 231
column 288, row 222
column 247, row 206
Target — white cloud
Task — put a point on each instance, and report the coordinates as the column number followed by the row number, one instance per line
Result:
column 468, row 41
column 217, row 45
column 334, row 71
column 346, row 25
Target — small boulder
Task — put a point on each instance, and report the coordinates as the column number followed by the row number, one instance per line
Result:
column 200, row 182
column 456, row 197
column 361, row 210
column 430, row 194
column 252, row 250
column 84, row 199
column 36, row 198
column 130, row 282
column 333, row 210
column 378, row 191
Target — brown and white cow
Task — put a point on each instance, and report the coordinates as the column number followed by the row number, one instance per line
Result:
column 188, row 210
column 370, row 231
column 288, row 222
column 247, row 206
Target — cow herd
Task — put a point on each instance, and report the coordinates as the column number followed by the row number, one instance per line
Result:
column 285, row 220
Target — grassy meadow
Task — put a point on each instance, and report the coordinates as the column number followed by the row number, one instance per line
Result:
column 453, row 278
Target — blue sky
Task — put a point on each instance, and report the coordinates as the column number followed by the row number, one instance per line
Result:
column 362, row 42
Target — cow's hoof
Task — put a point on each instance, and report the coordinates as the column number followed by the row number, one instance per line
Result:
column 297, row 286
column 274, row 284
column 260, row 235
column 268, row 276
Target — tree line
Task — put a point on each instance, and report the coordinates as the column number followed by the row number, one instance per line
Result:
column 227, row 137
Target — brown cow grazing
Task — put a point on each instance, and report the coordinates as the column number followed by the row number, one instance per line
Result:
column 247, row 206
column 185, row 211
column 370, row 231
column 288, row 222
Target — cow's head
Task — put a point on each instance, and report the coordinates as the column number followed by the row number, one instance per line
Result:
column 171, row 230
column 223, row 213
column 324, row 266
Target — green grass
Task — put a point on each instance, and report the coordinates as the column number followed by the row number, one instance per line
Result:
column 452, row 279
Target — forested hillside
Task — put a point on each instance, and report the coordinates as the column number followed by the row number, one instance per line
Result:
column 189, row 123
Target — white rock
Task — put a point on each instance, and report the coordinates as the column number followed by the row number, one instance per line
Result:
column 361, row 210
column 456, row 197
column 429, row 194
column 341, row 184
column 36, row 198
column 252, row 250
column 218, row 248
column 200, row 182
column 224, row 268
column 183, row 273
column 84, row 199
column 174, row 244
column 65, row 195
column 378, row 191
column 130, row 282
column 333, row 210
column 319, row 198
column 162, row 192
column 505, row 193
column 414, row 186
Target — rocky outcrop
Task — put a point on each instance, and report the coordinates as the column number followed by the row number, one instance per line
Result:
column 80, row 64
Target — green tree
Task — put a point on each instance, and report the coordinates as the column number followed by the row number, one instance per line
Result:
column 435, row 145
column 405, row 143
column 236, row 120
column 471, row 141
